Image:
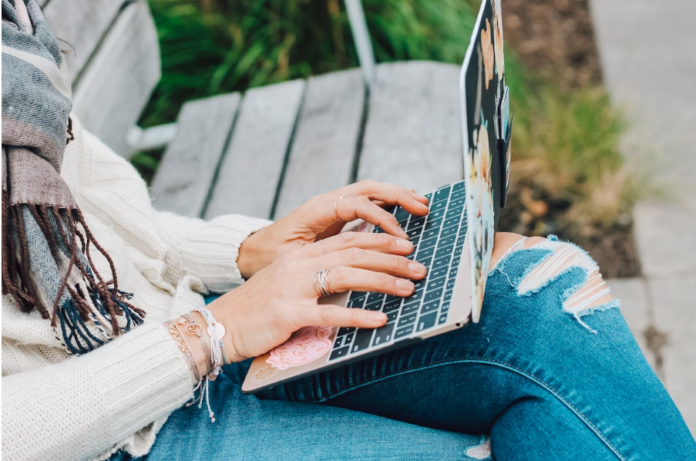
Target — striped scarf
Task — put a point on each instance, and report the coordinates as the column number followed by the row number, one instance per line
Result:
column 46, row 261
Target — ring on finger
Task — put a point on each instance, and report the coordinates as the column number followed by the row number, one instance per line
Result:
column 336, row 209
column 322, row 283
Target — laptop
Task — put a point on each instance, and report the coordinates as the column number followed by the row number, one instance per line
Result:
column 454, row 241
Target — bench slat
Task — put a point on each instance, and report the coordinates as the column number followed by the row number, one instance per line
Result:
column 117, row 83
column 82, row 24
column 413, row 131
column 252, row 166
column 187, row 170
column 325, row 143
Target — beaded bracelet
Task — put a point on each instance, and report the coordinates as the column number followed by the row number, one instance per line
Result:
column 184, row 347
column 216, row 331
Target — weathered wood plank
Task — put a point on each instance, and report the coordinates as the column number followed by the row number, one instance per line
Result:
column 326, row 139
column 82, row 24
column 117, row 82
column 187, row 170
column 413, row 131
column 252, row 166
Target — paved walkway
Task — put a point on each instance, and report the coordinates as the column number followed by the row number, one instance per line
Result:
column 649, row 64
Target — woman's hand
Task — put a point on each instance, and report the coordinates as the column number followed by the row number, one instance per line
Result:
column 281, row 298
column 319, row 218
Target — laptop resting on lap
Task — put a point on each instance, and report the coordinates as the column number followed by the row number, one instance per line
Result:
column 454, row 241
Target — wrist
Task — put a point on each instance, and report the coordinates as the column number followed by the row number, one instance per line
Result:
column 252, row 254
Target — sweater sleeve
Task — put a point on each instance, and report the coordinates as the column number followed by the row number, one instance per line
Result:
column 102, row 397
column 111, row 189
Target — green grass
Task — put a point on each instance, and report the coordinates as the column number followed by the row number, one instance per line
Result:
column 565, row 146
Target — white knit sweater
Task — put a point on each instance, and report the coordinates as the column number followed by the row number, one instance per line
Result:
column 59, row 407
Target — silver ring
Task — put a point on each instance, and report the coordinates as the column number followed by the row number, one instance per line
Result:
column 321, row 282
column 322, row 246
column 336, row 209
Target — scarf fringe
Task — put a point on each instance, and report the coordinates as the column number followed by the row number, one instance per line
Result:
column 70, row 239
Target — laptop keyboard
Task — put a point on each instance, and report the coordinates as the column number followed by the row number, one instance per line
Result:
column 438, row 241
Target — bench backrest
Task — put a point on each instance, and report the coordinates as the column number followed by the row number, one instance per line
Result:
column 116, row 63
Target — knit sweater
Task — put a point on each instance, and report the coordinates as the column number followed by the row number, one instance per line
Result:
column 59, row 407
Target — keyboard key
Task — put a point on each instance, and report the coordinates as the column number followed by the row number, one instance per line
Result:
column 431, row 233
column 414, row 241
column 406, row 320
column 391, row 317
column 345, row 330
column 458, row 187
column 414, row 232
column 441, row 194
column 441, row 262
column 455, row 261
column 456, row 203
column 425, row 261
column 448, row 295
column 433, row 295
column 356, row 303
column 418, row 285
column 453, row 272
column 460, row 241
column 445, row 306
column 430, row 307
column 428, row 243
column 424, row 253
column 338, row 353
column 403, row 333
column 357, row 294
column 437, row 273
column 348, row 338
column 413, row 307
column 374, row 306
column 415, row 223
column 377, row 230
column 451, row 221
column 462, row 231
column 438, row 283
column 411, row 257
column 449, row 240
column 392, row 306
column 415, row 297
column 442, row 319
column 450, row 231
column 338, row 342
column 458, row 251
column 383, row 334
column 455, row 213
column 374, row 297
column 391, row 298
column 437, row 214
column 444, row 251
column 426, row 321
column 450, row 284
column 429, row 196
column 401, row 214
column 362, row 340
column 433, row 225
column 438, row 206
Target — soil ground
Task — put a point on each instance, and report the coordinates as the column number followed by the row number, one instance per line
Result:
column 555, row 41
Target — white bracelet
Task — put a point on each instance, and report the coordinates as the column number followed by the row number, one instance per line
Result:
column 216, row 331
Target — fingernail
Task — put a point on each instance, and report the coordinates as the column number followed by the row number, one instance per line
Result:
column 403, row 243
column 403, row 283
column 377, row 317
column 416, row 267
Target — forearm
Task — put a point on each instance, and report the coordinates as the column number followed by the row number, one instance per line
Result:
column 86, row 405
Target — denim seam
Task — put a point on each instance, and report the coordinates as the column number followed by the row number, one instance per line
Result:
column 529, row 376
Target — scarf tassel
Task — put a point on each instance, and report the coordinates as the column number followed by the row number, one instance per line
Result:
column 69, row 240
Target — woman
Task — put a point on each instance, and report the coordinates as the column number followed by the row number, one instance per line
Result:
column 106, row 336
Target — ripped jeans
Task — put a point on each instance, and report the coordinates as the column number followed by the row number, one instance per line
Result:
column 538, row 378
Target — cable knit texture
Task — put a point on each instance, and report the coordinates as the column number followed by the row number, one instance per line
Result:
column 59, row 407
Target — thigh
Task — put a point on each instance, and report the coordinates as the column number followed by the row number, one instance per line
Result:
column 533, row 376
column 248, row 428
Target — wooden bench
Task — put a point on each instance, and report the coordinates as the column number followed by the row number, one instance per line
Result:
column 265, row 152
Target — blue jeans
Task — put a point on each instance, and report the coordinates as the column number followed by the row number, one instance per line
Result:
column 530, row 380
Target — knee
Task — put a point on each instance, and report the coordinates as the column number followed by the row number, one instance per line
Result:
column 593, row 294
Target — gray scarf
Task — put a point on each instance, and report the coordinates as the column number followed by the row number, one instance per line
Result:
column 46, row 261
